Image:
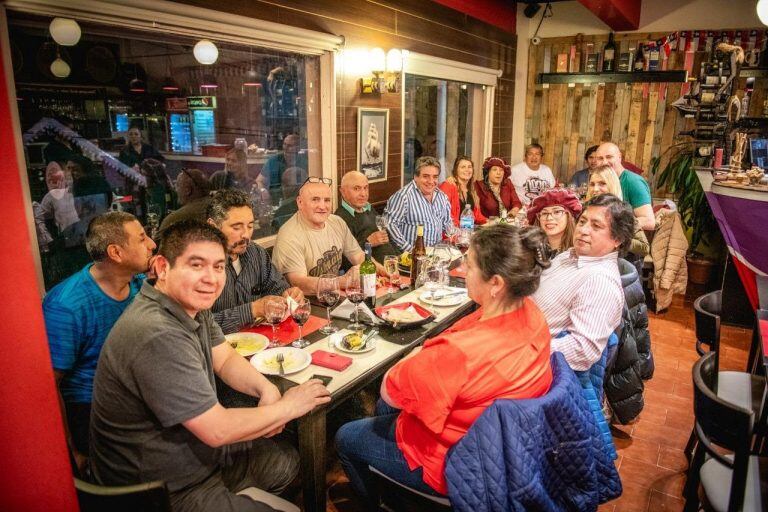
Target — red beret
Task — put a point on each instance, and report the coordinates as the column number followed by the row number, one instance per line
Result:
column 495, row 160
column 555, row 197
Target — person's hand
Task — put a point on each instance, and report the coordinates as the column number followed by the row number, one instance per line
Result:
column 378, row 238
column 352, row 273
column 294, row 293
column 81, row 461
column 257, row 306
column 303, row 398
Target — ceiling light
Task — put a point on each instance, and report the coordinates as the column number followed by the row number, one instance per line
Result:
column 137, row 85
column 377, row 59
column 169, row 85
column 394, row 60
column 209, row 82
column 205, row 52
column 60, row 68
column 65, row 31
column 762, row 11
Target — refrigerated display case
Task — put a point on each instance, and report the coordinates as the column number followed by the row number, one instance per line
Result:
column 180, row 132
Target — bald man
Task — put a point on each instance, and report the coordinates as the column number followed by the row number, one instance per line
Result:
column 312, row 242
column 360, row 217
column 634, row 188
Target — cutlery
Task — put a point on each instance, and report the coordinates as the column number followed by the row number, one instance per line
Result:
column 373, row 332
column 449, row 294
column 280, row 358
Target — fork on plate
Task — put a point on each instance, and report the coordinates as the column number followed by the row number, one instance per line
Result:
column 280, row 359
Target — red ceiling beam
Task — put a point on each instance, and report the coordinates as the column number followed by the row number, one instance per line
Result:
column 618, row 14
column 499, row 13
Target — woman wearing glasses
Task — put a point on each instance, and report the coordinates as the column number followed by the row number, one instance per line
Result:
column 555, row 211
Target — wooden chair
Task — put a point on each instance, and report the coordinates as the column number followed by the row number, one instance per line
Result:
column 730, row 482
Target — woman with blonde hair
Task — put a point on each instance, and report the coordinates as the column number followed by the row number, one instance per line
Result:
column 603, row 180
column 460, row 189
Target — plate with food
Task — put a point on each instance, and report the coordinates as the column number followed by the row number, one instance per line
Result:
column 354, row 342
column 444, row 298
column 404, row 315
column 247, row 343
column 294, row 360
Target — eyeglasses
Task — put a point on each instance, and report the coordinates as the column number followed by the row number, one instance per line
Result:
column 315, row 179
column 555, row 214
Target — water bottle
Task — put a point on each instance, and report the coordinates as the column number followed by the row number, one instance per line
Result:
column 467, row 219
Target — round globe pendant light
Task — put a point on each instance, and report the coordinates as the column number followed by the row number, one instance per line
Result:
column 205, row 52
column 65, row 31
column 60, row 68
column 762, row 11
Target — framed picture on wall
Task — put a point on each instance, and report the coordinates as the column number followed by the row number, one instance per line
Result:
column 372, row 141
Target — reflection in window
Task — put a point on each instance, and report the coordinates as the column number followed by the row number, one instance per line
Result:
column 139, row 125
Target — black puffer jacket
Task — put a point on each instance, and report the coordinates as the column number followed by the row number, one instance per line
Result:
column 623, row 384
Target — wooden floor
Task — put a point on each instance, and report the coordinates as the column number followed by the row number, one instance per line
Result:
column 651, row 461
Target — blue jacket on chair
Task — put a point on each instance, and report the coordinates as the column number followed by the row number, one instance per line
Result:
column 543, row 454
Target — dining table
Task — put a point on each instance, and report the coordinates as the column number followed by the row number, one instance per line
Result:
column 392, row 344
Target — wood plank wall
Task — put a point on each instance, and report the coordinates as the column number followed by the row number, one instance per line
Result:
column 424, row 27
column 639, row 117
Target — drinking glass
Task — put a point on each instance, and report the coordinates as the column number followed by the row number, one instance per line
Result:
column 462, row 240
column 451, row 233
column 442, row 253
column 274, row 311
column 393, row 272
column 433, row 277
column 300, row 315
column 382, row 221
column 355, row 295
column 328, row 294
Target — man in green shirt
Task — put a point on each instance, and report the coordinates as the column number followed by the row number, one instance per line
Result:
column 634, row 188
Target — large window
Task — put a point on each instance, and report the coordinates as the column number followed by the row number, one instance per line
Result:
column 128, row 119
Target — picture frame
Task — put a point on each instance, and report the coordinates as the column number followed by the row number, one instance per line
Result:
column 372, row 142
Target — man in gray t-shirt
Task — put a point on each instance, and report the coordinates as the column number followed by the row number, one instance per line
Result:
column 155, row 412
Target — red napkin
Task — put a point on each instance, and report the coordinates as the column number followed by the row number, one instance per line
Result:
column 382, row 285
column 330, row 360
column 288, row 330
column 460, row 272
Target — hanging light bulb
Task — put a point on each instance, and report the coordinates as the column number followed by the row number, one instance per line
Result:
column 60, row 68
column 65, row 31
column 205, row 52
column 137, row 85
column 377, row 59
column 762, row 11
column 394, row 60
column 169, row 85
column 209, row 82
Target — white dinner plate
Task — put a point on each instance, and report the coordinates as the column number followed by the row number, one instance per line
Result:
column 248, row 343
column 453, row 300
column 295, row 360
column 338, row 336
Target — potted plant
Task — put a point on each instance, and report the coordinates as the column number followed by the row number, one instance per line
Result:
column 679, row 178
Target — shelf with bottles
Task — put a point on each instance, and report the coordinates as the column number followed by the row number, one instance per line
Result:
column 612, row 78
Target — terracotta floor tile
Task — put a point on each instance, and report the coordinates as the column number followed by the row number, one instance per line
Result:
column 637, row 449
column 662, row 434
column 666, row 399
column 653, row 413
column 661, row 382
column 679, row 419
column 635, row 498
column 662, row 502
column 607, row 507
column 673, row 459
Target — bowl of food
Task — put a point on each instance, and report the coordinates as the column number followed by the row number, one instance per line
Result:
column 404, row 315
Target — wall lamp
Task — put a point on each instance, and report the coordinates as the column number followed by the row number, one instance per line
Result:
column 385, row 68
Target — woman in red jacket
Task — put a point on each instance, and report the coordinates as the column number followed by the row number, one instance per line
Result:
column 460, row 189
column 496, row 194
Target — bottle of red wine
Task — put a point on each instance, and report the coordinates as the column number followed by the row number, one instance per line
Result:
column 639, row 63
column 609, row 55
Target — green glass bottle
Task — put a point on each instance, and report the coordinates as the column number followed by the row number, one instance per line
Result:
column 368, row 278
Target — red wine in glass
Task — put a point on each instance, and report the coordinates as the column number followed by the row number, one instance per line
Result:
column 329, row 298
column 462, row 246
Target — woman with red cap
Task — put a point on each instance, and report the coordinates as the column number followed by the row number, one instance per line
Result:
column 555, row 211
column 496, row 193
column 460, row 189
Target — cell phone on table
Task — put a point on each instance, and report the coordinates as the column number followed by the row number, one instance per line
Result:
column 325, row 379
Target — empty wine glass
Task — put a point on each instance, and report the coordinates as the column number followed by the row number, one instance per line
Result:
column 433, row 277
column 355, row 295
column 274, row 312
column 393, row 272
column 300, row 315
column 328, row 294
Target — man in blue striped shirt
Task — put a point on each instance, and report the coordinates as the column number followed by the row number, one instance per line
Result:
column 419, row 202
column 252, row 279
column 80, row 311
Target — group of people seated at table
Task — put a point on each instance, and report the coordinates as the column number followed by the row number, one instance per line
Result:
column 153, row 316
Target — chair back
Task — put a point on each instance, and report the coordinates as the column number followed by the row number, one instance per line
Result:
column 721, row 423
column 147, row 497
column 707, row 310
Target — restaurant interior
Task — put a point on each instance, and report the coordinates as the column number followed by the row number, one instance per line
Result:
column 283, row 91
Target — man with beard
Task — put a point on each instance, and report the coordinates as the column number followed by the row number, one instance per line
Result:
column 80, row 311
column 251, row 277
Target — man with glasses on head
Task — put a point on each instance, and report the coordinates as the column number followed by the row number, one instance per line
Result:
column 252, row 279
column 419, row 203
column 313, row 241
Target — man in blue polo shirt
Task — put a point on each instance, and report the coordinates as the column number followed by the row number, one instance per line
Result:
column 634, row 188
column 80, row 311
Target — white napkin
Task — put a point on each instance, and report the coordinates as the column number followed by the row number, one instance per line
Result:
column 347, row 308
column 292, row 304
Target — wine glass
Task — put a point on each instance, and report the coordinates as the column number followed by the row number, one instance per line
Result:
column 433, row 277
column 382, row 221
column 393, row 272
column 300, row 315
column 274, row 311
column 355, row 295
column 462, row 240
column 328, row 294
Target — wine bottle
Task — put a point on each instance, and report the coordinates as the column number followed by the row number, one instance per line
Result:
column 418, row 250
column 368, row 278
column 639, row 63
column 609, row 55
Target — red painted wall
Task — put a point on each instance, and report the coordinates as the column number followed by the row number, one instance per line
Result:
column 35, row 474
column 498, row 13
